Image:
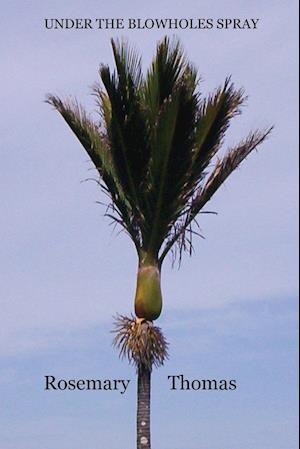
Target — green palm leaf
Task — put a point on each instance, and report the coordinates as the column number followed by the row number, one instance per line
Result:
column 125, row 122
column 215, row 115
column 96, row 145
column 216, row 178
column 162, row 77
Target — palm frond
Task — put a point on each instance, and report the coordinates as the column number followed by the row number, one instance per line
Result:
column 126, row 127
column 171, row 161
column 226, row 166
column 95, row 144
column 86, row 131
column 171, row 103
column 219, row 174
column 167, row 68
column 129, row 67
column 216, row 112
column 104, row 105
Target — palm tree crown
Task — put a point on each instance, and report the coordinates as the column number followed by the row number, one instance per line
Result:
column 154, row 150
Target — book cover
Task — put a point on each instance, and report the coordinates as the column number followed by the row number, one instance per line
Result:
column 149, row 198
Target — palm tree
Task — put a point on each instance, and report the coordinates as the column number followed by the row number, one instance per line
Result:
column 155, row 150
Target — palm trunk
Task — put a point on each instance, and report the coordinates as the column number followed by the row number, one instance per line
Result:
column 143, row 408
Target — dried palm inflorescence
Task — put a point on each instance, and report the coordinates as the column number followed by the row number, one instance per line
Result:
column 142, row 343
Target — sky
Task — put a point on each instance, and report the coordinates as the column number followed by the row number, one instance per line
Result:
column 229, row 312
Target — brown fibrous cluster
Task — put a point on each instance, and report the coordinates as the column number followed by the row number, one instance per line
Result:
column 142, row 343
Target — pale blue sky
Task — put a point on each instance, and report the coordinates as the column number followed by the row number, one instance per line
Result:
column 64, row 274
